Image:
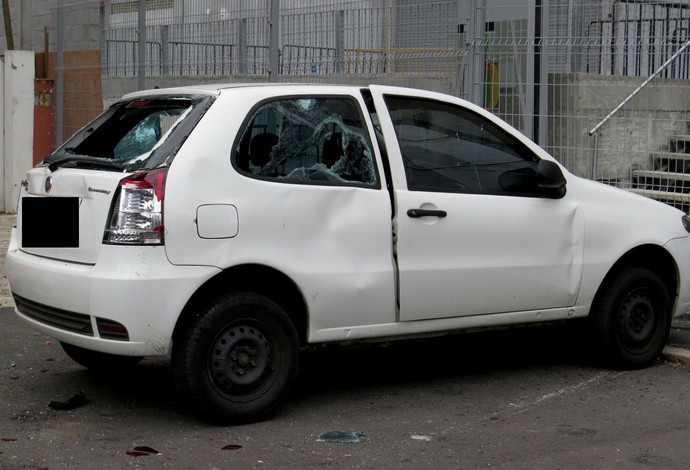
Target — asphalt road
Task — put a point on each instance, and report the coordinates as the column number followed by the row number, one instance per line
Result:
column 520, row 399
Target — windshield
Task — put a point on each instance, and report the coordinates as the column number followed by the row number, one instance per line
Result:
column 128, row 135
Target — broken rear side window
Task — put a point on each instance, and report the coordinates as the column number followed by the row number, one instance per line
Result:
column 317, row 140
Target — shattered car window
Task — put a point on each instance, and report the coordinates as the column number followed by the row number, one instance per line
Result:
column 144, row 136
column 307, row 139
column 129, row 133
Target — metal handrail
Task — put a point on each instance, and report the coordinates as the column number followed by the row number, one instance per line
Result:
column 595, row 129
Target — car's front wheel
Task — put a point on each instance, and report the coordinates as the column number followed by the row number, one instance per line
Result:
column 631, row 317
column 235, row 362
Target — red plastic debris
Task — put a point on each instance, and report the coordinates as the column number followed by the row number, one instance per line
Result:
column 231, row 447
column 135, row 453
column 140, row 451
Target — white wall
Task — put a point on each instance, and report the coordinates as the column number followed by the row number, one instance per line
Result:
column 17, row 121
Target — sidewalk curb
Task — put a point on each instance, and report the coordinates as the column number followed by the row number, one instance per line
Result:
column 676, row 354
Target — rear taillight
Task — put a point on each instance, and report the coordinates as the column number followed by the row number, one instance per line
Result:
column 136, row 217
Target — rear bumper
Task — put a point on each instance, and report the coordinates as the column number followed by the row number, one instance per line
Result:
column 134, row 286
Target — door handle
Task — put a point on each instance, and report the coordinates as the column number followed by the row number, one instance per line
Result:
column 416, row 213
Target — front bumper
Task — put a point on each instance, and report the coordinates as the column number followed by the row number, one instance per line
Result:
column 680, row 250
column 133, row 286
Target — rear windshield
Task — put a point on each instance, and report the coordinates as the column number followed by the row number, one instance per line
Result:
column 136, row 134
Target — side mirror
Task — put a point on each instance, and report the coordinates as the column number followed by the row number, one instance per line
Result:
column 550, row 179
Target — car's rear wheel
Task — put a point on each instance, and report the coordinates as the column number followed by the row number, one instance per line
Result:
column 99, row 361
column 631, row 317
column 237, row 360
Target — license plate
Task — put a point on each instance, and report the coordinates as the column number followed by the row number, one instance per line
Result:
column 50, row 222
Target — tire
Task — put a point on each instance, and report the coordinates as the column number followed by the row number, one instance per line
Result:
column 99, row 361
column 631, row 318
column 237, row 360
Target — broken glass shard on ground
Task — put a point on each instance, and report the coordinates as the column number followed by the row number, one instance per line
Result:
column 342, row 437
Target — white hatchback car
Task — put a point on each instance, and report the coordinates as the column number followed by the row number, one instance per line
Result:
column 233, row 226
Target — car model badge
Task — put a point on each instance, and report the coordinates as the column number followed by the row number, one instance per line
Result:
column 49, row 184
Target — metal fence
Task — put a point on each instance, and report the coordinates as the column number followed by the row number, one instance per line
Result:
column 196, row 50
column 638, row 38
column 312, row 43
column 552, row 68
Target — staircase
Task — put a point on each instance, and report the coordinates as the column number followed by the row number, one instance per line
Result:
column 669, row 179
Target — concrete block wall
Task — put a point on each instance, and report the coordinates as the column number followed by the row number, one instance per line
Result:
column 30, row 18
column 578, row 102
column 36, row 16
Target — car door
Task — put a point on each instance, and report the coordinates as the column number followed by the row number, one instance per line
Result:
column 289, row 181
column 474, row 233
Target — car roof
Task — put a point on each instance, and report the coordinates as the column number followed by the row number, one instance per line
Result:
column 216, row 89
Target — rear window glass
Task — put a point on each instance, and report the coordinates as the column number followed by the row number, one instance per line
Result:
column 131, row 133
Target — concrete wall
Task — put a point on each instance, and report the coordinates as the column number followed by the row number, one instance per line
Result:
column 578, row 102
column 16, row 142
column 30, row 18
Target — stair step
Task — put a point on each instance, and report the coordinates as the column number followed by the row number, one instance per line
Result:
column 662, row 195
column 680, row 143
column 671, row 156
column 670, row 161
column 667, row 175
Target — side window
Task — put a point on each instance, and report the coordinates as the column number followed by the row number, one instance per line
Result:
column 450, row 149
column 317, row 140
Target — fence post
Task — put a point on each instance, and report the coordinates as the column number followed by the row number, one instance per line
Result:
column 141, row 59
column 165, row 50
column 26, row 14
column 274, row 41
column 595, row 158
column 8, row 24
column 102, row 43
column 60, row 74
column 476, row 35
column 242, row 47
column 340, row 41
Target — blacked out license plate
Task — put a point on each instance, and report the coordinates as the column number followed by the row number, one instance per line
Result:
column 50, row 222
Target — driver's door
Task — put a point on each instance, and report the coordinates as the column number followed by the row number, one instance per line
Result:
column 474, row 233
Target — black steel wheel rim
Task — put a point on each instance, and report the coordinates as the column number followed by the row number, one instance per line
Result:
column 638, row 319
column 241, row 361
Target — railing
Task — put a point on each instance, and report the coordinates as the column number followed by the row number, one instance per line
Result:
column 595, row 129
column 166, row 57
column 637, row 38
column 339, row 39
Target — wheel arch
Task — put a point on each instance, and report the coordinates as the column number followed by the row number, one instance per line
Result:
column 255, row 278
column 652, row 257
